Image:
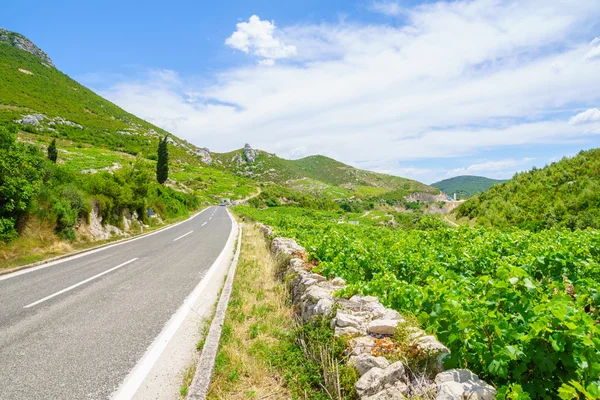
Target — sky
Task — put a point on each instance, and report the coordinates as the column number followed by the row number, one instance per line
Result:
column 421, row 89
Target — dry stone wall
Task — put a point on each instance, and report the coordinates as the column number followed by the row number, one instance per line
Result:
column 371, row 328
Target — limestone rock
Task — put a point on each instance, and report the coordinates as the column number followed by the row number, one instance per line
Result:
column 376, row 379
column 21, row 42
column 343, row 319
column 33, row 119
column 266, row 230
column 203, row 153
column 250, row 154
column 383, row 326
column 323, row 306
column 317, row 277
column 396, row 391
column 286, row 246
column 459, row 384
column 346, row 331
column 361, row 345
column 338, row 282
column 370, row 382
column 364, row 362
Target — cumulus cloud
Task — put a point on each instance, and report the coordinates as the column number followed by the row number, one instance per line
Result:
column 386, row 7
column 259, row 38
column 594, row 53
column 591, row 115
column 457, row 78
column 492, row 168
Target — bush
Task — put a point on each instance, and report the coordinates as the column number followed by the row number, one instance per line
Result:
column 21, row 176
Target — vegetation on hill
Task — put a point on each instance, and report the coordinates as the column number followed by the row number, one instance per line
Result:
column 32, row 186
column 466, row 186
column 518, row 308
column 564, row 194
column 66, row 151
column 319, row 175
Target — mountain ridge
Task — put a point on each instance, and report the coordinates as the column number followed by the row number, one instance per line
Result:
column 466, row 185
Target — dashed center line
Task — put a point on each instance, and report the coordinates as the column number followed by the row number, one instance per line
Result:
column 79, row 284
column 182, row 236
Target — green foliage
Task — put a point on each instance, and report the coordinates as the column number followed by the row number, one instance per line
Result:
column 565, row 194
column 162, row 165
column 277, row 195
column 518, row 308
column 319, row 175
column 52, row 151
column 466, row 186
column 21, row 177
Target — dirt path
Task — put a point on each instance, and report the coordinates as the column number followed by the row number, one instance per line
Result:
column 454, row 224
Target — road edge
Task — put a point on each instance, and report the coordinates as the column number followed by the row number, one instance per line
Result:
column 132, row 382
column 206, row 365
column 62, row 257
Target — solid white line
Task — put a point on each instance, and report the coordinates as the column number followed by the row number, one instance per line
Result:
column 137, row 375
column 79, row 284
column 204, row 224
column 33, row 269
column 182, row 236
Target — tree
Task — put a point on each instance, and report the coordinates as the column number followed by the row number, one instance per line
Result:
column 53, row 151
column 162, row 165
column 21, row 175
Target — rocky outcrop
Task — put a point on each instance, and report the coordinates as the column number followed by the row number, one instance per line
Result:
column 462, row 384
column 203, row 153
column 21, row 42
column 422, row 197
column 371, row 329
column 250, row 154
column 32, row 120
column 62, row 121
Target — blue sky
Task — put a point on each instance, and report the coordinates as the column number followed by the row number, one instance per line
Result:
column 426, row 90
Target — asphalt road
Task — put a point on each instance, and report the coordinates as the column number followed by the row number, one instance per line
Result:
column 74, row 330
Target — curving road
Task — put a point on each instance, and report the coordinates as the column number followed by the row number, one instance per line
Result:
column 74, row 329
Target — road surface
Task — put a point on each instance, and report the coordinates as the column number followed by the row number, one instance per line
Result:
column 75, row 329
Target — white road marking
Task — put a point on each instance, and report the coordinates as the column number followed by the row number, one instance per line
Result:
column 204, row 224
column 182, row 236
column 80, row 283
column 87, row 253
column 135, row 378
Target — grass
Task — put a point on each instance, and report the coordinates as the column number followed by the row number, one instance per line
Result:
column 257, row 319
column 264, row 353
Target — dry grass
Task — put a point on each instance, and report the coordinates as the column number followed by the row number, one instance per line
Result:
column 36, row 242
column 256, row 317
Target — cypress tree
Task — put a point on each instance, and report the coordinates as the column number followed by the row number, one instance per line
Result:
column 53, row 151
column 162, row 166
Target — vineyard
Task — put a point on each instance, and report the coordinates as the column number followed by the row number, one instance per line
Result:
column 520, row 309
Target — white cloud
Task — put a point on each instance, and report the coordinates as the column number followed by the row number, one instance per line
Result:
column 267, row 62
column 386, row 7
column 591, row 115
column 594, row 53
column 492, row 168
column 459, row 78
column 258, row 37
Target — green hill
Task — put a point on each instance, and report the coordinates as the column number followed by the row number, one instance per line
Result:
column 565, row 194
column 465, row 186
column 318, row 175
column 105, row 169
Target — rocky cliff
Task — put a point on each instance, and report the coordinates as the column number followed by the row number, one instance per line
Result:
column 21, row 42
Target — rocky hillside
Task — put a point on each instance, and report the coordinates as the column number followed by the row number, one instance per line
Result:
column 316, row 174
column 21, row 42
column 42, row 99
